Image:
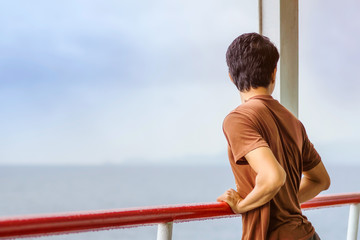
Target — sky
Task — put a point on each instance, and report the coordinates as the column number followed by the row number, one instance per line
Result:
column 145, row 82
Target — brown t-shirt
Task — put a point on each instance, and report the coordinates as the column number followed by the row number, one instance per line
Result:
column 263, row 122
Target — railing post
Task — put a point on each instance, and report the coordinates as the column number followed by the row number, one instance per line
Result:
column 164, row 231
column 353, row 223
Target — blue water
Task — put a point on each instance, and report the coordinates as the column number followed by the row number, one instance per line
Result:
column 42, row 189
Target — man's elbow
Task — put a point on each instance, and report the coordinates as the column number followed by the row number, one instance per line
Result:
column 326, row 183
column 281, row 178
column 278, row 180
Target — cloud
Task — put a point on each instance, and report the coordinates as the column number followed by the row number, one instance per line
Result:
column 92, row 125
column 113, row 81
column 95, row 81
column 131, row 42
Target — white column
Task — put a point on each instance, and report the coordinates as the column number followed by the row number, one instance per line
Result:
column 353, row 223
column 164, row 231
column 278, row 20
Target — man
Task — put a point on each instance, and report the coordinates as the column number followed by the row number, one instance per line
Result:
column 268, row 150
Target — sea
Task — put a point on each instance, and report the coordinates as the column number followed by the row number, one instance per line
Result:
column 51, row 189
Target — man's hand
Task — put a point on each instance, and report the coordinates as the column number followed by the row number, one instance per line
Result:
column 232, row 198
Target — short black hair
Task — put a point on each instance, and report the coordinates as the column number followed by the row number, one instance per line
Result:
column 251, row 59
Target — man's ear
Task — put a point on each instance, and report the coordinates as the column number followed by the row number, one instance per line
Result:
column 231, row 78
column 273, row 75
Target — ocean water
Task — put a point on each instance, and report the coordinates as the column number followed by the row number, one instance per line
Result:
column 45, row 189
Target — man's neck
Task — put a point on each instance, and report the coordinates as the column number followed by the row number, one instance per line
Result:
column 254, row 92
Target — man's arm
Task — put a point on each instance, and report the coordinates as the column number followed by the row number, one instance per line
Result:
column 313, row 182
column 269, row 179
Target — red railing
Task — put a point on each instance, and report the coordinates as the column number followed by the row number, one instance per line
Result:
column 48, row 224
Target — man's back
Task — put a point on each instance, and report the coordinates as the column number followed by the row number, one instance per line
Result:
column 263, row 122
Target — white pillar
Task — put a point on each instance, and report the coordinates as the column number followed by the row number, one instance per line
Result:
column 278, row 20
column 164, row 231
column 353, row 223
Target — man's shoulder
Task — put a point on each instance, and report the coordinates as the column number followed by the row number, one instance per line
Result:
column 239, row 112
column 247, row 110
column 244, row 113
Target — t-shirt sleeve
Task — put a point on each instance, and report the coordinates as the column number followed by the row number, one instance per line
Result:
column 310, row 156
column 242, row 136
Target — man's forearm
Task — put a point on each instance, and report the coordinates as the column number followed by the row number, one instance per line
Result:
column 269, row 179
column 309, row 189
column 313, row 182
column 256, row 198
column 265, row 189
column 262, row 193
